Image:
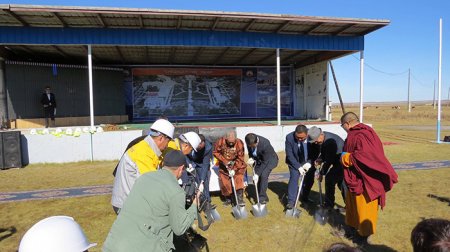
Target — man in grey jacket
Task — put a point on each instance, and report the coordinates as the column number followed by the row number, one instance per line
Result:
column 154, row 211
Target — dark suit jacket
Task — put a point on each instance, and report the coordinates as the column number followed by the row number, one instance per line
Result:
column 266, row 157
column 46, row 101
column 331, row 150
column 201, row 160
column 295, row 159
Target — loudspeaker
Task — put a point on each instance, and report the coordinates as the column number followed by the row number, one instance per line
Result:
column 11, row 150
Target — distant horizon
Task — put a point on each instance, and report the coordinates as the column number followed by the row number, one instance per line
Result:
column 418, row 102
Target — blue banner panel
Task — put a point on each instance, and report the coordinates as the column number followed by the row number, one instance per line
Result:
column 267, row 92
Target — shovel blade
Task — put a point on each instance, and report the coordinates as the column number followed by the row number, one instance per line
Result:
column 293, row 213
column 259, row 210
column 321, row 216
column 239, row 212
column 215, row 214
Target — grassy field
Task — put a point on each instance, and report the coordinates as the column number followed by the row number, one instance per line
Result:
column 419, row 194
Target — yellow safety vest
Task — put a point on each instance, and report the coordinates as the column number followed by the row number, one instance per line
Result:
column 144, row 157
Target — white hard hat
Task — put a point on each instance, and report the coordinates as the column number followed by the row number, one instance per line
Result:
column 163, row 126
column 192, row 138
column 55, row 234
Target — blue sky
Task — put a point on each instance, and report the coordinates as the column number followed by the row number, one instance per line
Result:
column 410, row 41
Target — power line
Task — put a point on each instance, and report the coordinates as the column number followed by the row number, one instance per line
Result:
column 380, row 71
column 421, row 83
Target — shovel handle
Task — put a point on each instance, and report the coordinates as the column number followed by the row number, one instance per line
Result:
column 234, row 189
column 299, row 191
column 256, row 185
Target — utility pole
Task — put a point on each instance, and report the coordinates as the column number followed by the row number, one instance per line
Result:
column 448, row 98
column 409, row 90
column 337, row 88
column 434, row 95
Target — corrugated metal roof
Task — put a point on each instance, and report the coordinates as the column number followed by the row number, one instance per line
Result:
column 147, row 19
column 71, row 16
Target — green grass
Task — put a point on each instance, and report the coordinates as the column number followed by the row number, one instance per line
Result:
column 46, row 176
column 407, row 203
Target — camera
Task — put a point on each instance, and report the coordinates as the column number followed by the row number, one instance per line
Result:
column 190, row 187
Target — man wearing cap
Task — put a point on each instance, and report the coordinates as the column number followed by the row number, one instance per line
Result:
column 186, row 143
column 263, row 158
column 140, row 158
column 154, row 211
column 299, row 156
column 229, row 150
column 330, row 148
column 201, row 161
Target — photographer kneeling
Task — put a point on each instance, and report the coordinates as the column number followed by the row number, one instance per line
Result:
column 154, row 211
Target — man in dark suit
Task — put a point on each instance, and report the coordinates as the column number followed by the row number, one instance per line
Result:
column 48, row 101
column 201, row 161
column 264, row 158
column 330, row 146
column 299, row 152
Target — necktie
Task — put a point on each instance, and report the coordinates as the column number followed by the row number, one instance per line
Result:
column 302, row 152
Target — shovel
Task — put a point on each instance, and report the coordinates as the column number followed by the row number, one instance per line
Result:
column 239, row 212
column 258, row 209
column 215, row 214
column 294, row 212
column 321, row 215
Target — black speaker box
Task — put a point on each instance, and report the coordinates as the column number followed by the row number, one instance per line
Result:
column 11, row 150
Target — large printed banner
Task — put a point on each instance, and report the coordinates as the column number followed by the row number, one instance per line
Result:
column 186, row 92
column 189, row 92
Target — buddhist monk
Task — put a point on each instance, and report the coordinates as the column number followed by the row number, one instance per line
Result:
column 368, row 175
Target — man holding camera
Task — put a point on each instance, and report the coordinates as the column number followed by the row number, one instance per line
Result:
column 154, row 211
column 262, row 158
column 229, row 150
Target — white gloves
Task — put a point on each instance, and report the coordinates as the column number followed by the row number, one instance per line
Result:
column 190, row 169
column 251, row 162
column 302, row 171
column 231, row 173
column 304, row 168
column 255, row 178
column 201, row 187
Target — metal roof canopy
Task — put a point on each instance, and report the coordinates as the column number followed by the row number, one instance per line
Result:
column 125, row 36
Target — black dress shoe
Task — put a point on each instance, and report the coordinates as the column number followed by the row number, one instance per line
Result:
column 227, row 202
column 307, row 201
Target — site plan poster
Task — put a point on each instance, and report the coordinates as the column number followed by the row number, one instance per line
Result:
column 186, row 92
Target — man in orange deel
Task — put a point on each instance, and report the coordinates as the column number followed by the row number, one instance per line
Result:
column 229, row 150
column 368, row 175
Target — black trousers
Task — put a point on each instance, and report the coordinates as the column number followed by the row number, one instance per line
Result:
column 49, row 112
column 307, row 184
column 263, row 184
column 334, row 177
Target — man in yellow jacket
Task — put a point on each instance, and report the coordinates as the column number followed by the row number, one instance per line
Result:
column 140, row 158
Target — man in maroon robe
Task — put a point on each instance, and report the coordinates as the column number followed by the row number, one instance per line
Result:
column 367, row 173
